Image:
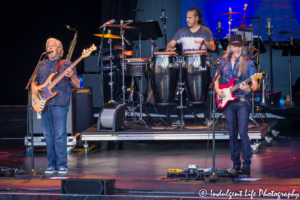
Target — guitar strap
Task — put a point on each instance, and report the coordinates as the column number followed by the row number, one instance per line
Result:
column 58, row 66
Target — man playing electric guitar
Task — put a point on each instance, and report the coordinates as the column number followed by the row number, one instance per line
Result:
column 54, row 117
column 237, row 112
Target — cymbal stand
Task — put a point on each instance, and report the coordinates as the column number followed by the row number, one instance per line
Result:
column 229, row 24
column 111, row 83
column 140, row 44
column 123, row 63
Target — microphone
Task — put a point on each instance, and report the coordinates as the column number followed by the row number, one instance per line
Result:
column 219, row 26
column 47, row 52
column 153, row 43
column 245, row 6
column 230, row 54
column 269, row 23
column 163, row 15
column 202, row 43
column 138, row 9
column 108, row 22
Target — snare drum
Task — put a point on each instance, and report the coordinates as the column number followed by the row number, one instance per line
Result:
column 163, row 77
column 196, row 76
column 136, row 67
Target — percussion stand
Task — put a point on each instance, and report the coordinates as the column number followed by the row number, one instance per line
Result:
column 181, row 90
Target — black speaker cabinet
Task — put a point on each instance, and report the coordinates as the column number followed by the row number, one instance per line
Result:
column 80, row 115
column 88, row 186
column 71, row 125
column 91, row 64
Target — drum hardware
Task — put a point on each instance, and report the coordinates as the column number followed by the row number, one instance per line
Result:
column 137, row 67
column 229, row 20
column 180, row 63
column 265, row 89
column 181, row 85
column 269, row 29
column 111, row 83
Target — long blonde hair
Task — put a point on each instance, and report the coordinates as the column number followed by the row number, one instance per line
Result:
column 58, row 44
column 242, row 64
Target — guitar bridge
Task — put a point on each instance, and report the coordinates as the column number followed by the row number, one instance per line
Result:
column 34, row 101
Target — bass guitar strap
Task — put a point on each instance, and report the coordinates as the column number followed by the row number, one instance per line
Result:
column 58, row 66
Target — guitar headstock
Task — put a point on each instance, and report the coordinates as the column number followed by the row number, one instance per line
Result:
column 87, row 52
column 257, row 76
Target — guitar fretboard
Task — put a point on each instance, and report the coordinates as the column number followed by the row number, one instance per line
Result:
column 62, row 75
column 234, row 88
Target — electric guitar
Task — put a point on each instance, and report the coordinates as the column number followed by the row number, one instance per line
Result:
column 40, row 100
column 229, row 90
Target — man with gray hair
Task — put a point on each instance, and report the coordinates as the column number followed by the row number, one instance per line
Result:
column 54, row 117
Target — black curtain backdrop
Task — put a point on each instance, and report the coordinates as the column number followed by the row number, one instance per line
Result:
column 26, row 25
column 117, row 10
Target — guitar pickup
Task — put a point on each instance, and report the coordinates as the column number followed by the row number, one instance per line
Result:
column 38, row 96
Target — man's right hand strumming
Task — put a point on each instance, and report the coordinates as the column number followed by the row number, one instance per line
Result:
column 35, row 89
column 221, row 93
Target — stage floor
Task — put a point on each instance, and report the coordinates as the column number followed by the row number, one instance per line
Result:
column 140, row 168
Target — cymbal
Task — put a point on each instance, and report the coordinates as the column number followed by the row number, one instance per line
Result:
column 108, row 36
column 121, row 26
column 230, row 13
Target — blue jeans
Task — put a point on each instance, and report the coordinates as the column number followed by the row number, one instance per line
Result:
column 54, row 124
column 237, row 117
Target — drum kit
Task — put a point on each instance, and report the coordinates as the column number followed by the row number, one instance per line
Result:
column 164, row 70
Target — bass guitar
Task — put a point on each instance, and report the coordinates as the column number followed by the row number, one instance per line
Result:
column 229, row 90
column 40, row 100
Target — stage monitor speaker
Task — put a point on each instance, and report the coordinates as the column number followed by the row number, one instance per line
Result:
column 71, row 126
column 91, row 64
column 88, row 186
column 112, row 117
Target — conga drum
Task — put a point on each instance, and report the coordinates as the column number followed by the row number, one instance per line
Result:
column 163, row 77
column 196, row 76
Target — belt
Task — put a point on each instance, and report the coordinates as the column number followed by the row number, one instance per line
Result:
column 242, row 97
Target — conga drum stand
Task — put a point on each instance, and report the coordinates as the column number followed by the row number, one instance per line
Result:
column 181, row 84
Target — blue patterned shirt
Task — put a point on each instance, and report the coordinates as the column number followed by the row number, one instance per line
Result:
column 62, row 87
column 228, row 74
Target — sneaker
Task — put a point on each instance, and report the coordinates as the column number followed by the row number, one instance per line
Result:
column 50, row 170
column 63, row 170
column 237, row 168
column 246, row 170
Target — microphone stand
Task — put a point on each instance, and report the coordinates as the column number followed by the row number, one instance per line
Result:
column 32, row 173
column 213, row 177
column 164, row 20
